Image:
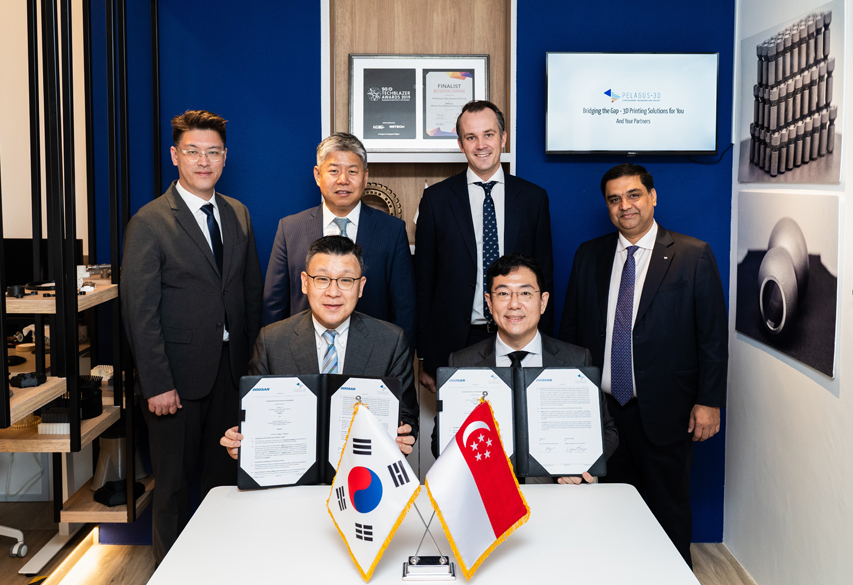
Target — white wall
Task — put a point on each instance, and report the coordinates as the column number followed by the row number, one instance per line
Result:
column 15, row 123
column 789, row 445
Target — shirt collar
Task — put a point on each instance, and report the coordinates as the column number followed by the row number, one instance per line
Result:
column 353, row 215
column 647, row 242
column 194, row 202
column 534, row 347
column 472, row 177
column 341, row 329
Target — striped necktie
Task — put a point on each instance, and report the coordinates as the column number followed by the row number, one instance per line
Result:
column 330, row 360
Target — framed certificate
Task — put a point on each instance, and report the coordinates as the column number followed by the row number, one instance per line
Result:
column 409, row 103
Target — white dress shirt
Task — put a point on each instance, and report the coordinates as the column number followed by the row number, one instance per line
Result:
column 340, row 342
column 476, row 197
column 533, row 359
column 642, row 257
column 330, row 228
column 195, row 203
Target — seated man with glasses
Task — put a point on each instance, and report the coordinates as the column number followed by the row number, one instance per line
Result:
column 517, row 301
column 331, row 338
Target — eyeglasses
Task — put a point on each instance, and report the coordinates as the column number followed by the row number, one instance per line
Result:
column 323, row 282
column 213, row 156
column 502, row 296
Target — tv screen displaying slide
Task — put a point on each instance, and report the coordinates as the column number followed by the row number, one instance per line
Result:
column 631, row 103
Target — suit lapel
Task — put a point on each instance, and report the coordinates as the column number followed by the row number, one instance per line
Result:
column 488, row 359
column 366, row 225
column 359, row 346
column 461, row 206
column 603, row 268
column 185, row 218
column 313, row 229
column 550, row 353
column 660, row 262
column 513, row 212
column 303, row 345
column 229, row 232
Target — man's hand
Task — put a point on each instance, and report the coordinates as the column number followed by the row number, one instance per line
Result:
column 404, row 438
column 427, row 380
column 165, row 403
column 231, row 441
column 704, row 422
column 576, row 480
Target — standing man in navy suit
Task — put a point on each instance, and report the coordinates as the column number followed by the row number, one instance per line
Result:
column 341, row 175
column 465, row 223
column 648, row 303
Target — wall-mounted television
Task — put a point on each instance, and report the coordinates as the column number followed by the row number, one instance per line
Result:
column 632, row 103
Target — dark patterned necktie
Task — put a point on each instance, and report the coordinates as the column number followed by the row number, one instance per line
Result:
column 215, row 235
column 621, row 367
column 515, row 358
column 491, row 247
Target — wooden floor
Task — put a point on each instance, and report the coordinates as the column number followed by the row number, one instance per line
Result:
column 713, row 564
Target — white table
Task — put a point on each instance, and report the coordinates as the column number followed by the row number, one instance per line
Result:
column 285, row 535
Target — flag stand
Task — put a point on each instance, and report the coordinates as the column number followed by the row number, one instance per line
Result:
column 432, row 568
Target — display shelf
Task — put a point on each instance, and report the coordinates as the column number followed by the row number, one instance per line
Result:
column 37, row 304
column 30, row 441
column 24, row 401
column 82, row 507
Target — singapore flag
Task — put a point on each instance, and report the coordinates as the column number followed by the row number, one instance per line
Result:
column 474, row 491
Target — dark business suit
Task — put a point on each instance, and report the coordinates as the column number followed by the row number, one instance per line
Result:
column 446, row 259
column 389, row 292
column 374, row 348
column 174, row 306
column 555, row 354
column 680, row 353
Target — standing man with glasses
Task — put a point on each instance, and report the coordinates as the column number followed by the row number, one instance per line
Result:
column 191, row 304
column 464, row 224
column 649, row 305
column 341, row 174
column 330, row 337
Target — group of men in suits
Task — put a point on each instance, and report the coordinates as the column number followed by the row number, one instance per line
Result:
column 643, row 304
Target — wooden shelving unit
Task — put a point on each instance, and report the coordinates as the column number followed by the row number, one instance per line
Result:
column 81, row 507
column 30, row 441
column 26, row 400
column 39, row 305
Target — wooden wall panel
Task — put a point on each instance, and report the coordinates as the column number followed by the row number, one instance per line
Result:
column 468, row 27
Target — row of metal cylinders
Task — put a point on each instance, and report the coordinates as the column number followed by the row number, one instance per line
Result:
column 793, row 50
column 795, row 145
column 794, row 100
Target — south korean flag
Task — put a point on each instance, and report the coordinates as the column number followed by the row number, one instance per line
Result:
column 374, row 487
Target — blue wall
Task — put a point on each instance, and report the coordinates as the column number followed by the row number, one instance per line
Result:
column 692, row 198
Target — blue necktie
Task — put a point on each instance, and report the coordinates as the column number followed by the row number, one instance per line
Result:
column 215, row 236
column 342, row 222
column 330, row 360
column 491, row 248
column 621, row 366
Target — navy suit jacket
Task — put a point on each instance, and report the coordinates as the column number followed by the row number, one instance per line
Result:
column 389, row 294
column 446, row 259
column 680, row 336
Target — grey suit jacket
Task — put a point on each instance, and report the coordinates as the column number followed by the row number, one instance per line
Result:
column 555, row 354
column 175, row 303
column 375, row 348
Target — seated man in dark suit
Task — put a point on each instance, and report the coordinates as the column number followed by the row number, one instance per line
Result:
column 341, row 174
column 331, row 338
column 517, row 301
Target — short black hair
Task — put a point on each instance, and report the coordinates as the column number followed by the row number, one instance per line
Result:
column 335, row 246
column 197, row 120
column 511, row 262
column 628, row 170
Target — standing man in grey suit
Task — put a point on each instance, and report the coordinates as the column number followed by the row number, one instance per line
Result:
column 331, row 338
column 649, row 305
column 341, row 175
column 517, row 301
column 191, row 305
column 464, row 224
